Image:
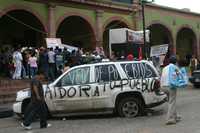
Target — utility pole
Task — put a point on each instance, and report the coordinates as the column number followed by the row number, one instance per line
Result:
column 143, row 2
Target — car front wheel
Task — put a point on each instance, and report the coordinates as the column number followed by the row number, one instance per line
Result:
column 129, row 107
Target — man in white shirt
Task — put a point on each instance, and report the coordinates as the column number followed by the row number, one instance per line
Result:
column 172, row 116
column 17, row 59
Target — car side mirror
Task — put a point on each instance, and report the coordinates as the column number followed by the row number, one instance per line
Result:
column 58, row 84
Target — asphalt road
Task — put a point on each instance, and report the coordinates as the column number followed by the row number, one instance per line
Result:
column 188, row 105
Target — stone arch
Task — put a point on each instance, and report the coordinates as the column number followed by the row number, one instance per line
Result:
column 68, row 14
column 112, row 23
column 186, row 41
column 28, row 9
column 83, row 18
column 160, row 34
column 25, row 27
column 119, row 19
column 157, row 22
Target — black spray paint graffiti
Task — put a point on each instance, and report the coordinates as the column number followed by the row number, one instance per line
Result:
column 105, row 73
column 143, row 85
column 138, row 70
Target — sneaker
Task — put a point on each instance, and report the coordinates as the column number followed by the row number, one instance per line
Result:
column 170, row 122
column 49, row 125
column 26, row 127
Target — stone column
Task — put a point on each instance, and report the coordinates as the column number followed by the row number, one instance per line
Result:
column 51, row 20
column 99, row 28
column 173, row 49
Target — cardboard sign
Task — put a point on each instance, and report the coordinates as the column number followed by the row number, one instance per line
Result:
column 159, row 50
column 53, row 42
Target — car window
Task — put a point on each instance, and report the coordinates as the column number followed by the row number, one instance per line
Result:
column 106, row 73
column 76, row 76
column 138, row 70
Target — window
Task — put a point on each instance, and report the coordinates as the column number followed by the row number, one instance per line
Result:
column 76, row 77
column 106, row 73
column 138, row 70
column 124, row 1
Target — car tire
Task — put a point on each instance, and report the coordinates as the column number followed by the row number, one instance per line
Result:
column 129, row 107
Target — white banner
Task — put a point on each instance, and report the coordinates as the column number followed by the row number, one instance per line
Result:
column 159, row 50
column 137, row 36
column 53, row 42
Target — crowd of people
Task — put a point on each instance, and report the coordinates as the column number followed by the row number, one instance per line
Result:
column 23, row 63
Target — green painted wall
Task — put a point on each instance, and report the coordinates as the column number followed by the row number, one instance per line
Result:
column 169, row 18
column 127, row 18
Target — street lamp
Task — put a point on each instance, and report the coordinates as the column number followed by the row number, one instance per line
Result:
column 143, row 2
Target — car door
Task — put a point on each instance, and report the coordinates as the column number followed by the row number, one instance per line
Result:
column 105, row 79
column 73, row 91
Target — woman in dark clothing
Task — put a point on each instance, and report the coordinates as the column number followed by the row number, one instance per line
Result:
column 36, row 106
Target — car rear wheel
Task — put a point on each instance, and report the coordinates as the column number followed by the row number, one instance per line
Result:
column 129, row 107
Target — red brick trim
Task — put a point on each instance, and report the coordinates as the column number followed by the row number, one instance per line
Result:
column 117, row 18
column 27, row 9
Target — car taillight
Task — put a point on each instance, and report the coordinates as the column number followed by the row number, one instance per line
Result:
column 156, row 86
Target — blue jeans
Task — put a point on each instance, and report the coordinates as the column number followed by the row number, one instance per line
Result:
column 33, row 71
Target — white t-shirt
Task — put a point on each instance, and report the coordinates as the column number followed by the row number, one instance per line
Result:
column 51, row 56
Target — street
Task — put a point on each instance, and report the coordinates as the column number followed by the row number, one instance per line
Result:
column 188, row 102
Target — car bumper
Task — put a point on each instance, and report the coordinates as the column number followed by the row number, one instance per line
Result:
column 17, row 107
column 162, row 98
column 157, row 103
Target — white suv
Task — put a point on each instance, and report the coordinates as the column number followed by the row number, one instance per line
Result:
column 126, row 88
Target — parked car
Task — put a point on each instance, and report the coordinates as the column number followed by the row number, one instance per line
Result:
column 127, row 88
column 195, row 78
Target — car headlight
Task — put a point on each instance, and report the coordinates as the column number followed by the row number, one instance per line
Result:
column 23, row 94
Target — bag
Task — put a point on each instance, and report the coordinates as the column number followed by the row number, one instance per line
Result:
column 183, row 81
column 177, row 78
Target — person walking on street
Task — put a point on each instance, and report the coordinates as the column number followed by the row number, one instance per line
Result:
column 169, row 73
column 193, row 63
column 36, row 106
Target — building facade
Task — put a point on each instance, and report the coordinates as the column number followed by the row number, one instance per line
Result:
column 86, row 23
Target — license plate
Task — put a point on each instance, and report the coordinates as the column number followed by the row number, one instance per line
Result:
column 197, row 80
